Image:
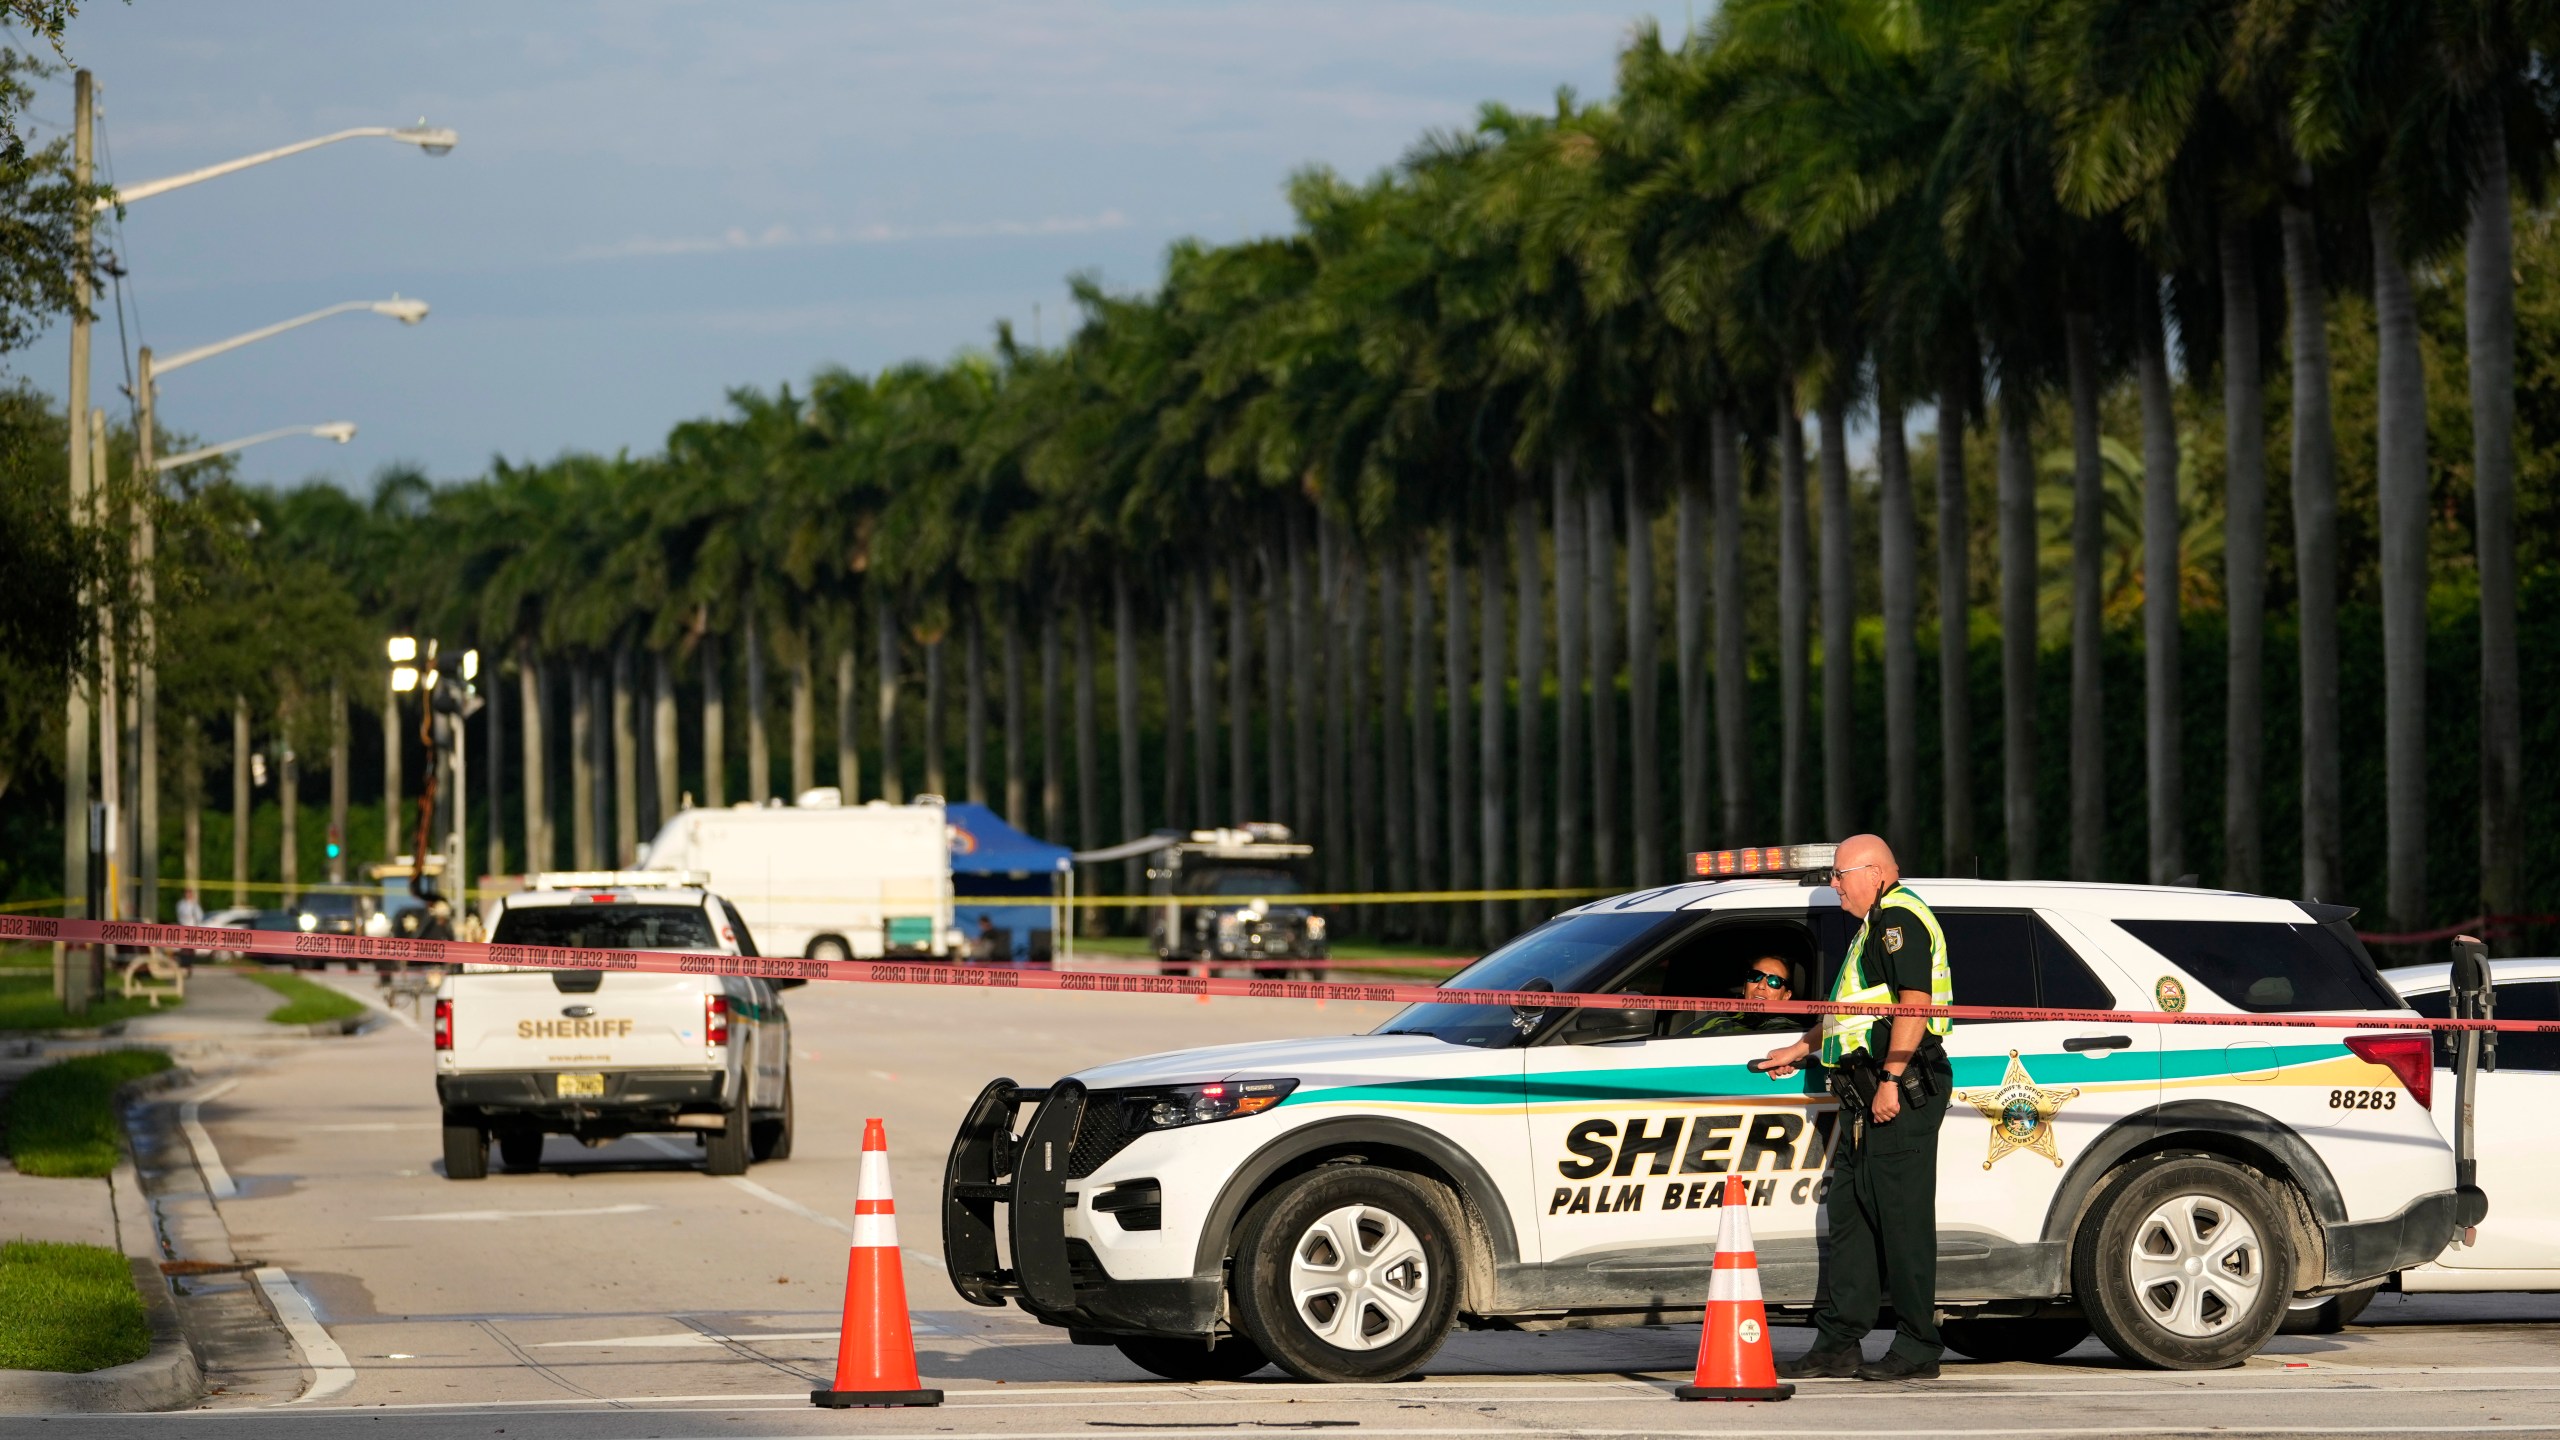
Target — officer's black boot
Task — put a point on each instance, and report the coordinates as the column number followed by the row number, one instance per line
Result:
column 1833, row 1362
column 1897, row 1366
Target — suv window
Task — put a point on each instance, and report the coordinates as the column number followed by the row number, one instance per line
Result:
column 1574, row 954
column 2269, row 966
column 607, row 927
column 2012, row 957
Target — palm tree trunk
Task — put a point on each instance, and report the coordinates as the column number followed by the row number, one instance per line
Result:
column 1689, row 654
column 1204, row 705
column 848, row 726
column 191, row 807
column 288, row 807
column 539, row 854
column 1305, row 675
column 600, row 682
column 1955, row 639
column 391, row 786
column 937, row 774
column 1724, row 478
column 240, row 816
column 1527, row 766
column 1794, row 639
column 884, row 639
column 582, row 767
column 1644, row 697
column 1395, row 775
column 1839, row 625
column 2315, row 547
column 759, row 742
column 1465, row 803
column 1336, row 826
column 1898, row 563
column 662, row 736
column 1124, row 695
column 1494, row 916
column 804, row 727
column 1362, row 722
column 1427, row 871
column 1053, row 775
column 715, row 737
column 1240, row 800
column 1571, row 636
column 1017, row 795
column 2400, row 483
column 1177, row 810
column 2088, row 557
column 2018, row 630
column 2244, row 563
column 2163, row 736
column 1279, row 691
column 1600, row 606
column 626, row 759
column 2489, row 323
column 973, row 709
column 1088, row 757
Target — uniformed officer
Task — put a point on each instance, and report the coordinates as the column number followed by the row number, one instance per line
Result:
column 1883, row 1196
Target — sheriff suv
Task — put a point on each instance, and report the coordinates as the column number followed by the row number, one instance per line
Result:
column 1336, row 1205
column 525, row 1053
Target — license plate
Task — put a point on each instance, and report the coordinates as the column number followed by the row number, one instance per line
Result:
column 581, row 1087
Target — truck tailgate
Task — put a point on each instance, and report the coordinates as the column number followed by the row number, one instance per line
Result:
column 523, row 1021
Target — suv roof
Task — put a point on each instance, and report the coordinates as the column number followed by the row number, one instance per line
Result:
column 2148, row 901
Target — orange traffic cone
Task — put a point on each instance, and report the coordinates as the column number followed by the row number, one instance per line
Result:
column 876, row 1353
column 1734, row 1362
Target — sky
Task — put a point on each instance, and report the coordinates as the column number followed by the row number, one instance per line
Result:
column 654, row 202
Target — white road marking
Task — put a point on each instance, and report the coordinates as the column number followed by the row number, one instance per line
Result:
column 372, row 1128
column 480, row 1215
column 217, row 1180
column 689, row 1340
column 776, row 1199
column 330, row 1372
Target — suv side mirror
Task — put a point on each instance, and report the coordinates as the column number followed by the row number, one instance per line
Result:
column 1604, row 1027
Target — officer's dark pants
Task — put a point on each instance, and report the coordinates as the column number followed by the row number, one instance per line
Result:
column 1883, row 1239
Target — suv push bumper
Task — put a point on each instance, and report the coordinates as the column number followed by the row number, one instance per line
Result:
column 1057, row 1280
column 2370, row 1249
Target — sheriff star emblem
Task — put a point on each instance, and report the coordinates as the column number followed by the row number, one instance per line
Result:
column 2020, row 1112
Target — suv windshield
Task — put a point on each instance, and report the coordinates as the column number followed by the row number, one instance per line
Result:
column 1243, row 884
column 607, row 927
column 1573, row 954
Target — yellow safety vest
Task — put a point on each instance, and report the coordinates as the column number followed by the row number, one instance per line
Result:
column 1843, row 1035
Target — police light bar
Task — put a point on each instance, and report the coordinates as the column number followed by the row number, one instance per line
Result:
column 619, row 880
column 1762, row 860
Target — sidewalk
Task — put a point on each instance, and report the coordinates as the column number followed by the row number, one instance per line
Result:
column 221, row 1005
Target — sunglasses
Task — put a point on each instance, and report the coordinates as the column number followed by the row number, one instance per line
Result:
column 1774, row 982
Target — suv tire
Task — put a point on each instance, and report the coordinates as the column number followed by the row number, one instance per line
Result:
column 1188, row 1360
column 2329, row 1315
column 520, row 1150
column 772, row 1138
column 2001, row 1338
column 2130, row 1265
column 466, row 1149
column 1347, row 1253
column 725, row 1151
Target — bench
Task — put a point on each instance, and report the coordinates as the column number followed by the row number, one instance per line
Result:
column 153, row 974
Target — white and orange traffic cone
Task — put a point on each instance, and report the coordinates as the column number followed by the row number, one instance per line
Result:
column 1734, row 1360
column 876, row 1351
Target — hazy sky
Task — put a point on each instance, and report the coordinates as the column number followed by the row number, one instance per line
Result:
column 653, row 202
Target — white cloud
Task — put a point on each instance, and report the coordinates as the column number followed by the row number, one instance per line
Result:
column 797, row 237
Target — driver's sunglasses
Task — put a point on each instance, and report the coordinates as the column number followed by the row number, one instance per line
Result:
column 1762, row 977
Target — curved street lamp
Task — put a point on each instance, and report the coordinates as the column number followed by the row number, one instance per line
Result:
column 432, row 139
column 341, row 431
column 407, row 312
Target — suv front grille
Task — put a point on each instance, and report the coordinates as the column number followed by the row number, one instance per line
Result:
column 1105, row 1130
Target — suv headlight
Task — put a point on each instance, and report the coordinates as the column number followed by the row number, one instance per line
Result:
column 1199, row 1104
column 1315, row 927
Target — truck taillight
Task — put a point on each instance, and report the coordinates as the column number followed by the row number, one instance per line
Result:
column 715, row 1019
column 444, row 1024
column 2411, row 1057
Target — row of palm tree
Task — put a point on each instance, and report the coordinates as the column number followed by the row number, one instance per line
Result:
column 1360, row 523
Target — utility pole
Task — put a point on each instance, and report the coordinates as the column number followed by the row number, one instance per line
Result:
column 111, row 729
column 146, row 657
column 70, row 982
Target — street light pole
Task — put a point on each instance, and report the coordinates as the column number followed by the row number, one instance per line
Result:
column 72, row 988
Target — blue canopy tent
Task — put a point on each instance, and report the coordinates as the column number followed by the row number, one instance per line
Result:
column 1007, row 883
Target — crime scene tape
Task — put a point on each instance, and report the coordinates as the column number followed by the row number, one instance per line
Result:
column 946, row 974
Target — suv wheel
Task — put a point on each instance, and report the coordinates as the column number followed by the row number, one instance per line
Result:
column 1232, row 1358
column 2005, row 1338
column 2185, row 1264
column 1346, row 1274
column 725, row 1150
column 466, row 1147
column 772, row 1138
column 830, row 947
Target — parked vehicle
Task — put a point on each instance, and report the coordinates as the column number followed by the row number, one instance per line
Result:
column 822, row 879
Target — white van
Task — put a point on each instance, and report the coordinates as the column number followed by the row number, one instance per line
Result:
column 823, row 879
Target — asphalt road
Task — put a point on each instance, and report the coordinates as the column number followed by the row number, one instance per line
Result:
column 620, row 1292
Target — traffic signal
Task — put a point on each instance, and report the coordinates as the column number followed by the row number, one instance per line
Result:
column 335, row 849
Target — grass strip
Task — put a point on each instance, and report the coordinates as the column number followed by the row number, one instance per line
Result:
column 68, row 1308
column 27, row 1003
column 62, row 1118
column 305, row 1003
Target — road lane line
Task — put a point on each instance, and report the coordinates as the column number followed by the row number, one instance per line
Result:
column 775, row 1198
column 330, row 1372
column 627, row 1208
column 217, row 1180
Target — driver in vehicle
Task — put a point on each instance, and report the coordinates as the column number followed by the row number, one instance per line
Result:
column 1769, row 978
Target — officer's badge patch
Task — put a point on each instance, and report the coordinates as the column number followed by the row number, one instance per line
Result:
column 2020, row 1112
column 1893, row 939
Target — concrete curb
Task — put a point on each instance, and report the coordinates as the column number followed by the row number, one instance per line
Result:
column 167, row 1378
